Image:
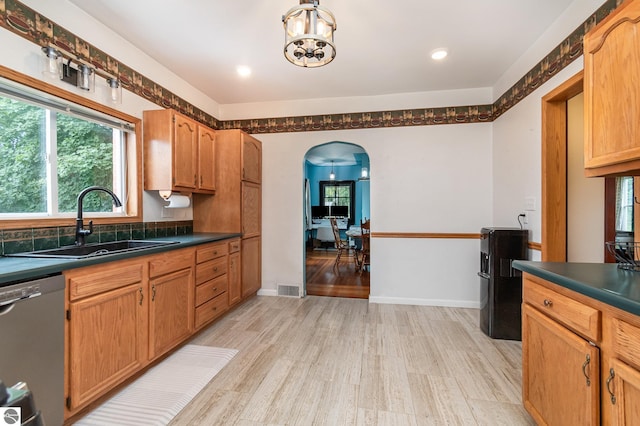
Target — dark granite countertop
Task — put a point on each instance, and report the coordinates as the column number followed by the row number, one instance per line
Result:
column 15, row 269
column 601, row 281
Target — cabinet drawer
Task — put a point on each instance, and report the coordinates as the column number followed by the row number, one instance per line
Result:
column 171, row 261
column 210, row 269
column 211, row 289
column 86, row 282
column 211, row 251
column 234, row 246
column 581, row 318
column 626, row 341
column 210, row 310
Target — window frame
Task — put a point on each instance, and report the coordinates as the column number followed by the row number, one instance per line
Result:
column 133, row 158
column 352, row 195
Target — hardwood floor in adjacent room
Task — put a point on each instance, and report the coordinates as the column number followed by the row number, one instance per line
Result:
column 324, row 279
column 341, row 361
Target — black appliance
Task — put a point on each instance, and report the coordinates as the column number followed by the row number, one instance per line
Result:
column 500, row 284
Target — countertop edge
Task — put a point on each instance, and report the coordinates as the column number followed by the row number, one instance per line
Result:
column 600, row 291
column 18, row 269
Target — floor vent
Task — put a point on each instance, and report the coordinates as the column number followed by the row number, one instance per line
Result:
column 288, row 290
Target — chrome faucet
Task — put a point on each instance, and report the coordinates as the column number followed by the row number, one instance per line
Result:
column 81, row 233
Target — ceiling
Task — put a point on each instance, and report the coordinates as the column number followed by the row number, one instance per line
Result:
column 382, row 47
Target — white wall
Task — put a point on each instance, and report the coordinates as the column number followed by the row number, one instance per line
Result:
column 585, row 196
column 423, row 179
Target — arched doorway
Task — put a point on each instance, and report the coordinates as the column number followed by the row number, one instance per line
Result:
column 336, row 185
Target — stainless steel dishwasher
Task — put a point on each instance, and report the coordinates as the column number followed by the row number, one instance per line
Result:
column 32, row 341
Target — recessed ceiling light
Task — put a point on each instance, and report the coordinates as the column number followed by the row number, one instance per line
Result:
column 439, row 54
column 243, row 71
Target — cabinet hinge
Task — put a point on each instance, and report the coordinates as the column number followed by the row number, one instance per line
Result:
column 68, row 402
column 173, row 118
column 68, row 314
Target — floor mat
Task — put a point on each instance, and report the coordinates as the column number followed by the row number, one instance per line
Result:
column 159, row 395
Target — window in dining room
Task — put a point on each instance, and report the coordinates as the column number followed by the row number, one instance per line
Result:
column 339, row 193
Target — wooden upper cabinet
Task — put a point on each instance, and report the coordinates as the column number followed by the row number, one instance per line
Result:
column 179, row 153
column 251, row 159
column 612, row 93
column 206, row 159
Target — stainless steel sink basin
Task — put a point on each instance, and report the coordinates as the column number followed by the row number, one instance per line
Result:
column 97, row 249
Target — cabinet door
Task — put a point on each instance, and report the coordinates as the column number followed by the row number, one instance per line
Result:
column 612, row 95
column 251, row 266
column 107, row 341
column 251, row 159
column 234, row 273
column 184, row 152
column 251, row 209
column 206, row 160
column 170, row 311
column 560, row 373
column 623, row 393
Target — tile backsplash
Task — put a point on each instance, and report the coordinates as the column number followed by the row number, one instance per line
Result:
column 29, row 239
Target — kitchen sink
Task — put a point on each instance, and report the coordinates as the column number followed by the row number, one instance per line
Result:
column 97, row 249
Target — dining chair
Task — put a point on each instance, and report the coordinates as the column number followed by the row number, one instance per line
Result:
column 341, row 245
column 365, row 254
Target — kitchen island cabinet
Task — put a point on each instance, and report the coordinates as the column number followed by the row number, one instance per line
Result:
column 612, row 93
column 581, row 343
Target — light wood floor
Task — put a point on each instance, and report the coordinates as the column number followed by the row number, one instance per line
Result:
column 338, row 361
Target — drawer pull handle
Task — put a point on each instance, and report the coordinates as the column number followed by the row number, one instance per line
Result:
column 548, row 303
column 141, row 295
column 215, row 269
column 612, row 374
column 215, row 289
column 214, row 308
column 584, row 369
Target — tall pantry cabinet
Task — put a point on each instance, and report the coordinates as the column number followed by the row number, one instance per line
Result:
column 237, row 205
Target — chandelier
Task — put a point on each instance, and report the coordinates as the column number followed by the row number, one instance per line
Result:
column 308, row 38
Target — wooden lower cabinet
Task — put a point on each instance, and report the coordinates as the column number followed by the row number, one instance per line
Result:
column 106, row 331
column 560, row 386
column 124, row 315
column 251, row 266
column 212, row 282
column 170, row 311
column 558, row 390
column 235, row 273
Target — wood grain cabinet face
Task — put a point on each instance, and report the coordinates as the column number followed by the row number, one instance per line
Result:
column 560, row 373
column 106, row 332
column 251, row 266
column 179, row 153
column 235, row 278
column 170, row 312
column 612, row 93
column 251, row 159
column 623, row 392
column 206, row 160
column 212, row 282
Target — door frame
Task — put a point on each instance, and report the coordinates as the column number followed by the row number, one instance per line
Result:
column 554, row 168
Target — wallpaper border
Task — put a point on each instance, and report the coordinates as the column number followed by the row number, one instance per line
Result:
column 28, row 23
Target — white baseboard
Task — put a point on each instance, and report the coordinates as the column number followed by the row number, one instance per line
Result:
column 267, row 292
column 425, row 302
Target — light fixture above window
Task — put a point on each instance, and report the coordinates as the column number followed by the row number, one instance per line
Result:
column 78, row 72
column 115, row 90
column 332, row 175
column 308, row 38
